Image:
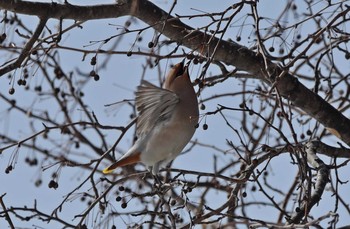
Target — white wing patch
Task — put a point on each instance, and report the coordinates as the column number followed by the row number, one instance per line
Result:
column 154, row 104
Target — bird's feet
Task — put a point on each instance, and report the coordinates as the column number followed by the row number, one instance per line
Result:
column 158, row 183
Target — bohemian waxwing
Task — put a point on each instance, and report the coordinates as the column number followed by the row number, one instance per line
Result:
column 166, row 121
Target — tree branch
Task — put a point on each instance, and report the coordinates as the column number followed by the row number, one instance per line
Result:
column 242, row 58
column 7, row 216
column 66, row 11
column 330, row 150
column 229, row 53
column 322, row 179
column 26, row 50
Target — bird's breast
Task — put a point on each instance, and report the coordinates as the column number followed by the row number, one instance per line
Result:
column 167, row 140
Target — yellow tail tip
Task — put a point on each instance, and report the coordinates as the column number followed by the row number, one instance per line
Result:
column 107, row 170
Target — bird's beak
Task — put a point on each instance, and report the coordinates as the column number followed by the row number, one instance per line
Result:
column 186, row 67
column 182, row 68
column 179, row 69
column 177, row 72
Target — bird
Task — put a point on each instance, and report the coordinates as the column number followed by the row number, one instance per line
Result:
column 167, row 119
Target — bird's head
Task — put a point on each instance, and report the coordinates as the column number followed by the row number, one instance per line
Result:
column 178, row 76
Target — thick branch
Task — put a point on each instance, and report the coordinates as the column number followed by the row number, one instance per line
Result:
column 230, row 53
column 330, row 151
column 242, row 58
column 321, row 180
column 65, row 11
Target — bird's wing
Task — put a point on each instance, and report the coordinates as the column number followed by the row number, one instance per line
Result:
column 154, row 104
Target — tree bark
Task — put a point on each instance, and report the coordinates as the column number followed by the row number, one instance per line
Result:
column 227, row 52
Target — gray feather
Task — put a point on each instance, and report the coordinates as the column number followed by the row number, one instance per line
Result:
column 154, row 105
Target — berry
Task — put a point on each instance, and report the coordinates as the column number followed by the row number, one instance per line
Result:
column 173, row 202
column 53, row 184
column 2, row 37
column 12, row 91
column 37, row 88
column 253, row 188
column 96, row 77
column 38, row 182
column 8, row 169
column 34, row 162
column 347, row 55
column 190, row 56
column 92, row 73
column 93, row 60
column 150, row 44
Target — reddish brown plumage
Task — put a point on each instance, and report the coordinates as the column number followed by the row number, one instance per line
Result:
column 132, row 159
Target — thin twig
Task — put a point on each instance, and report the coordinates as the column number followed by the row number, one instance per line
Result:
column 7, row 216
column 26, row 50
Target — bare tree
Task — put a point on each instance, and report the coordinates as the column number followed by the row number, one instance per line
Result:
column 285, row 74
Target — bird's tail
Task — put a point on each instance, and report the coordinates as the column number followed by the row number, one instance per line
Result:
column 131, row 159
